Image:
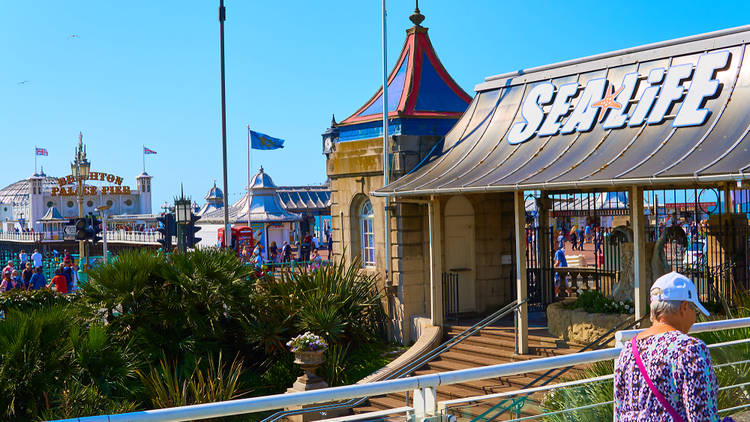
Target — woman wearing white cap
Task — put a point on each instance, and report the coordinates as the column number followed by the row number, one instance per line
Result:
column 663, row 374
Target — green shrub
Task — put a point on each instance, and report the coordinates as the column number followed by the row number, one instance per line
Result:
column 26, row 300
column 184, row 306
column 593, row 301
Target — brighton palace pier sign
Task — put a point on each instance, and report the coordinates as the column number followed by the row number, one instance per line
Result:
column 115, row 189
column 665, row 87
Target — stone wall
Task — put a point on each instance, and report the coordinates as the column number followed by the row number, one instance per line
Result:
column 494, row 224
column 577, row 326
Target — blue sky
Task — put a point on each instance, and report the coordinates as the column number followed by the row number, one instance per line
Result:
column 147, row 73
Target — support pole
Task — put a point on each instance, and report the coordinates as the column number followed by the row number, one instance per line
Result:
column 227, row 225
column 638, row 224
column 544, row 246
column 522, row 329
column 436, row 262
column 728, row 203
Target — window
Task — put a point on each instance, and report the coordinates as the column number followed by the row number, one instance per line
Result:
column 367, row 235
column 70, row 204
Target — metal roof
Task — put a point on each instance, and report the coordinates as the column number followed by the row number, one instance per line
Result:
column 264, row 205
column 504, row 142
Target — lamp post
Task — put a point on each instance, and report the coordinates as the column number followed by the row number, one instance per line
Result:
column 183, row 213
column 80, row 169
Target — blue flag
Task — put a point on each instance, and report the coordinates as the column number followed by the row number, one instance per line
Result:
column 261, row 141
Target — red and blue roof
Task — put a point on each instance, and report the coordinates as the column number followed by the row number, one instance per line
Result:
column 422, row 96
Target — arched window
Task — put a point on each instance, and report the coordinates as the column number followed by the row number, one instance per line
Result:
column 367, row 234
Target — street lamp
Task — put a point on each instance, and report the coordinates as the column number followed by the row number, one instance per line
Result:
column 80, row 168
column 183, row 214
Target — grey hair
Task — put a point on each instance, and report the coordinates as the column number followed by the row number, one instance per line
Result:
column 659, row 308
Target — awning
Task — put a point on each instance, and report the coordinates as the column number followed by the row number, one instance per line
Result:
column 676, row 112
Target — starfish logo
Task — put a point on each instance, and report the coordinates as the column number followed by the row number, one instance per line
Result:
column 609, row 101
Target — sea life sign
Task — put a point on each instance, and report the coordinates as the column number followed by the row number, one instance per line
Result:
column 546, row 108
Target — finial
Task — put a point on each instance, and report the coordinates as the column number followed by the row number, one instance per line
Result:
column 417, row 18
column 261, row 169
column 214, row 182
column 333, row 120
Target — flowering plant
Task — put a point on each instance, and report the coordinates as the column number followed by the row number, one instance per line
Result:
column 307, row 342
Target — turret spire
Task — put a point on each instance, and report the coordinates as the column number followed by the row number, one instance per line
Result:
column 417, row 18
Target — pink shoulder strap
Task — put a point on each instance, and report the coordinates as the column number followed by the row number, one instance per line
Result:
column 663, row 401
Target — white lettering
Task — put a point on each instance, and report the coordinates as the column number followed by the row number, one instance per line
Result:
column 559, row 109
column 584, row 115
column 671, row 91
column 647, row 98
column 617, row 117
column 532, row 113
column 703, row 85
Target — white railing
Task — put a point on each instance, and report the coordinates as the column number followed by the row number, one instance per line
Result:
column 133, row 237
column 424, row 387
column 21, row 237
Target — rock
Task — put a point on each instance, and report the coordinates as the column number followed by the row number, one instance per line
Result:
column 742, row 417
column 577, row 326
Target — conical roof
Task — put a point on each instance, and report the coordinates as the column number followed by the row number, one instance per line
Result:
column 418, row 86
column 53, row 215
column 264, row 204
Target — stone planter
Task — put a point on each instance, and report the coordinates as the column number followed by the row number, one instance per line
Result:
column 577, row 326
column 309, row 361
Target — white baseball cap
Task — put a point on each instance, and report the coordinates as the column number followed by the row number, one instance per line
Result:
column 675, row 286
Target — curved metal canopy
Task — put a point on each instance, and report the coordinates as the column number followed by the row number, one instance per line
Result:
column 669, row 113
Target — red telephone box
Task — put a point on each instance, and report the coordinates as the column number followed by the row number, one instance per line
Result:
column 241, row 236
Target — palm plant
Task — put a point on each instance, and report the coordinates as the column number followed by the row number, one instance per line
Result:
column 34, row 354
column 212, row 382
column 184, row 305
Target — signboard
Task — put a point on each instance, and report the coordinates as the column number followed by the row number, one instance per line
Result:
column 115, row 189
column 69, row 233
column 685, row 86
column 259, row 235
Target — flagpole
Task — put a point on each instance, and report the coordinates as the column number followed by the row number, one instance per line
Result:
column 143, row 153
column 35, row 155
column 387, row 236
column 249, row 169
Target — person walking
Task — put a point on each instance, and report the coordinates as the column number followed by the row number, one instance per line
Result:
column 37, row 258
column 37, row 281
column 560, row 262
column 663, row 374
column 273, row 253
column 286, row 252
column 23, row 258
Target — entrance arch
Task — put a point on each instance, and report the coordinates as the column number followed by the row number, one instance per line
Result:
column 459, row 249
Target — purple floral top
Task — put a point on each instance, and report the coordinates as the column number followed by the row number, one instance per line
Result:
column 680, row 368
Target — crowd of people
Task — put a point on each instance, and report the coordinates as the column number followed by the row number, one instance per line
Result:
column 308, row 251
column 30, row 274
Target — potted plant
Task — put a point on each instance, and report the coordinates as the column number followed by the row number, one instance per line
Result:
column 308, row 350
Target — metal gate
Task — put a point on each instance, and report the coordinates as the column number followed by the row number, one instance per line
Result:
column 713, row 249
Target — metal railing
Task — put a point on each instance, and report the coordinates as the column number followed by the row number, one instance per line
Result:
column 449, row 407
column 424, row 386
column 412, row 366
column 503, row 406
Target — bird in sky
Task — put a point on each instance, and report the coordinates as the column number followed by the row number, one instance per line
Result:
column 23, row 82
column 74, row 36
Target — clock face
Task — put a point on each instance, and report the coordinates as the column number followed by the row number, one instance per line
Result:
column 328, row 145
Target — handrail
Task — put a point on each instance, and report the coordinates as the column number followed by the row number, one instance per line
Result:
column 421, row 382
column 596, row 345
column 410, row 367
